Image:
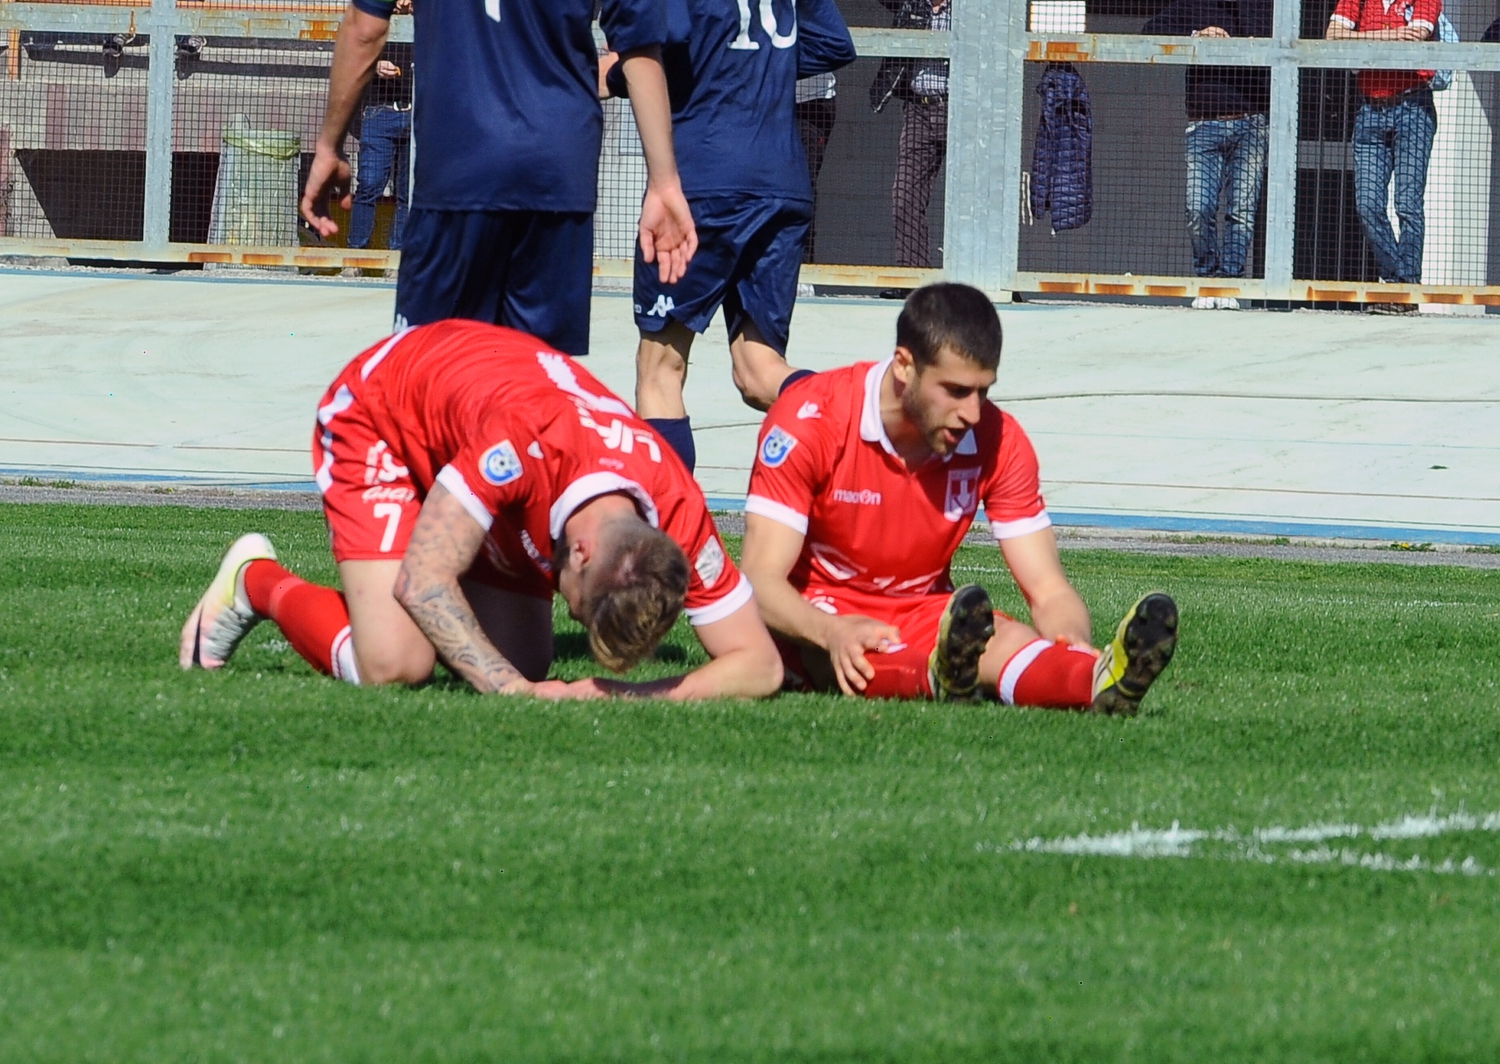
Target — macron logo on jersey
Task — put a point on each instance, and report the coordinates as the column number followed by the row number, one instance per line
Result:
column 863, row 497
column 500, row 464
column 710, row 563
column 807, row 411
column 778, row 444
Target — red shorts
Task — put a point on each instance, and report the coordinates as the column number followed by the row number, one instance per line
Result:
column 901, row 673
column 368, row 494
column 370, row 499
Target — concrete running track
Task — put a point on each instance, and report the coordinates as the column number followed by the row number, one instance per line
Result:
column 1317, row 424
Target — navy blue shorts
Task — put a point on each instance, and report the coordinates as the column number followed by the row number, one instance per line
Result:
column 529, row 270
column 749, row 252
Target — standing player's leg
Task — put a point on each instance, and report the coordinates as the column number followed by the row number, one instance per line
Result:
column 661, row 367
column 670, row 315
column 549, row 278
column 758, row 305
column 454, row 264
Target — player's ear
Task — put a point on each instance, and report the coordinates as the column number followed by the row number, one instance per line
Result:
column 906, row 365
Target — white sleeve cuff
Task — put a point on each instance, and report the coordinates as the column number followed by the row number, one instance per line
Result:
column 458, row 487
column 717, row 611
column 764, row 507
column 1429, row 27
column 1025, row 526
column 1342, row 21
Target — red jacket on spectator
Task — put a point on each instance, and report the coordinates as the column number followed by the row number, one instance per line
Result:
column 1367, row 16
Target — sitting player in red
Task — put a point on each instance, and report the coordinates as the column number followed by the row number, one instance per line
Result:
column 864, row 484
column 467, row 472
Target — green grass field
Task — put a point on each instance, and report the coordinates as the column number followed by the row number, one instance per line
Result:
column 264, row 865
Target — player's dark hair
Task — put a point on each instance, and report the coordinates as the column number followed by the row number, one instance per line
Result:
column 956, row 316
column 635, row 590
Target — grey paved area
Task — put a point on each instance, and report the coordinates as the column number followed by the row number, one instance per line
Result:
column 1380, row 552
column 1319, row 418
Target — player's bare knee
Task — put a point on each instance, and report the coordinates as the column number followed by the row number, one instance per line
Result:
column 395, row 665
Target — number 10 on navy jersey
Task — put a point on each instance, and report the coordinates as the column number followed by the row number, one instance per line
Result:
column 744, row 42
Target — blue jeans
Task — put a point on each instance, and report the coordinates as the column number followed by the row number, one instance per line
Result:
column 384, row 141
column 1394, row 138
column 1226, row 160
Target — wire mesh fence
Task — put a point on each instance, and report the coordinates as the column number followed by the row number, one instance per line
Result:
column 1137, row 137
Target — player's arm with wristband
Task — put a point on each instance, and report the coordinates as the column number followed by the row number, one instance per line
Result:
column 357, row 49
column 444, row 543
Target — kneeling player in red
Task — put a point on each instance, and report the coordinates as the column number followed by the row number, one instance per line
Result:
column 866, row 480
column 467, row 472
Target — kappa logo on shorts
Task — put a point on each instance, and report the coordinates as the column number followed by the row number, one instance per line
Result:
column 963, row 493
column 500, row 464
column 710, row 563
column 778, row 444
column 661, row 308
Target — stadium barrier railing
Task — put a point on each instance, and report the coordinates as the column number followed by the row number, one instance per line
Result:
column 127, row 151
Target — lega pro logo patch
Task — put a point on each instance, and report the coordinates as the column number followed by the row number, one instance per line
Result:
column 778, row 444
column 500, row 464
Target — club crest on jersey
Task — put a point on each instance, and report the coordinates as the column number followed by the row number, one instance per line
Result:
column 778, row 444
column 963, row 493
column 500, row 464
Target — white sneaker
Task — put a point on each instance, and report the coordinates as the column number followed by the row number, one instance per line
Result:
column 805, row 291
column 1229, row 304
column 1205, row 303
column 223, row 616
column 351, row 272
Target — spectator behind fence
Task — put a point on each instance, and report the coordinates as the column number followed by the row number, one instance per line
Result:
column 384, row 146
column 1393, row 134
column 1228, row 115
column 817, row 110
column 922, row 86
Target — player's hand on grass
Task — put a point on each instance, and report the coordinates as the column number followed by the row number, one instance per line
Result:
column 329, row 176
column 550, row 689
column 847, row 640
column 667, row 233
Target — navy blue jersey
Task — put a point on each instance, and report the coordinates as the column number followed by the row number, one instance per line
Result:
column 507, row 106
column 733, row 88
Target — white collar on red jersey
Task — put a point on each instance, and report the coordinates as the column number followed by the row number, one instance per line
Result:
column 592, row 486
column 872, row 428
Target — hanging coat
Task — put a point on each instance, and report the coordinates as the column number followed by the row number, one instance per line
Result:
column 1062, row 166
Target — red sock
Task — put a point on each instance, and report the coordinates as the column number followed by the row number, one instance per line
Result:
column 1044, row 673
column 314, row 619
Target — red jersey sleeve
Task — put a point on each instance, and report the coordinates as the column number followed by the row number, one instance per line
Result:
column 490, row 472
column 1425, row 13
column 1013, row 491
column 1348, row 12
column 716, row 588
column 792, row 461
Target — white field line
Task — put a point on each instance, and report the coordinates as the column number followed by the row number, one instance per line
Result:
column 1233, row 844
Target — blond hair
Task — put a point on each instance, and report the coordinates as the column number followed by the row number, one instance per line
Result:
column 635, row 590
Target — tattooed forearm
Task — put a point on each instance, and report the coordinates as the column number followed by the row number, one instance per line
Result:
column 443, row 546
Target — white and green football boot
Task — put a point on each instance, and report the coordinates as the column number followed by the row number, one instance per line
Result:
column 1142, row 647
column 223, row 616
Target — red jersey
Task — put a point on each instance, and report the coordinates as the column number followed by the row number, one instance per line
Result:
column 1366, row 16
column 826, row 467
column 522, row 436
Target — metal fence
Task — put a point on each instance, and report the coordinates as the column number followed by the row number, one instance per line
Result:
column 180, row 132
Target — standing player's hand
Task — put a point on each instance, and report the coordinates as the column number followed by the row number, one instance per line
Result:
column 668, row 236
column 328, row 176
column 847, row 641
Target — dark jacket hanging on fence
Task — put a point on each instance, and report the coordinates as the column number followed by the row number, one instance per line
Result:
column 1062, row 166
